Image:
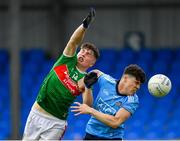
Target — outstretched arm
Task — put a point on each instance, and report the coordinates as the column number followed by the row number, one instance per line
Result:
column 74, row 41
column 113, row 121
column 78, row 34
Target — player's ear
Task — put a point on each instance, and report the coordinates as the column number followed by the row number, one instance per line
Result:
column 93, row 63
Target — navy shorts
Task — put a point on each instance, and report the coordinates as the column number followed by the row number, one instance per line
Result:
column 92, row 137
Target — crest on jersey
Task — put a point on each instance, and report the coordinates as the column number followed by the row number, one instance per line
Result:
column 118, row 104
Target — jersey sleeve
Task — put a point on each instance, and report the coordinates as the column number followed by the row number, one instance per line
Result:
column 63, row 59
column 131, row 104
column 101, row 79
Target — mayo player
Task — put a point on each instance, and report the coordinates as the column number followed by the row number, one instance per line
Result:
column 47, row 118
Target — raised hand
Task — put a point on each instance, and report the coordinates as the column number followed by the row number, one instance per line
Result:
column 90, row 79
column 90, row 18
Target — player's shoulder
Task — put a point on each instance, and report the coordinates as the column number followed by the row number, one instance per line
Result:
column 103, row 76
column 108, row 78
column 99, row 73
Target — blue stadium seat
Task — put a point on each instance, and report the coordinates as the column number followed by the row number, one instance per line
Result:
column 165, row 55
column 146, row 55
column 126, row 54
column 108, row 55
column 120, row 66
column 140, row 117
column 5, row 124
column 36, row 55
column 4, row 56
column 76, row 130
column 171, row 134
column 4, row 68
column 152, row 135
column 174, row 79
column 4, row 92
column 105, row 66
column 32, row 69
column 174, row 124
column 47, row 66
column 24, row 56
column 160, row 67
column 5, row 130
column 177, row 52
column 132, row 135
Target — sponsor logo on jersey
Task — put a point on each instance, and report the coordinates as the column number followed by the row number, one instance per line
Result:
column 104, row 107
column 63, row 75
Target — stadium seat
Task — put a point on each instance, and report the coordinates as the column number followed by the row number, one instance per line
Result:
column 5, row 127
column 152, row 135
column 171, row 134
column 132, row 135
column 126, row 54
column 108, row 55
column 165, row 55
column 4, row 56
column 36, row 55
column 146, row 55
column 160, row 67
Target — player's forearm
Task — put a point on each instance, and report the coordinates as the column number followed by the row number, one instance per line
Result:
column 77, row 36
column 74, row 41
column 109, row 120
column 88, row 97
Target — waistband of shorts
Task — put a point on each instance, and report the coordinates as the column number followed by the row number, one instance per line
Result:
column 35, row 111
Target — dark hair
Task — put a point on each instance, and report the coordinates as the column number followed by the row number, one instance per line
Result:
column 91, row 47
column 136, row 71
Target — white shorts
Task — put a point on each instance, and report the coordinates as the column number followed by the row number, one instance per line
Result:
column 40, row 126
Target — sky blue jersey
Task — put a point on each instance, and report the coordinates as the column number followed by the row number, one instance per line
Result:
column 109, row 101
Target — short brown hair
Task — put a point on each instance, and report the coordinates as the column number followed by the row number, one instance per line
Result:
column 136, row 71
column 91, row 47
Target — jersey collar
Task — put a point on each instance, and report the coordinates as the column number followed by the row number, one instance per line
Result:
column 80, row 70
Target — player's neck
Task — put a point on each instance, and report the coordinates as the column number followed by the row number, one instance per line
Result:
column 119, row 88
column 81, row 69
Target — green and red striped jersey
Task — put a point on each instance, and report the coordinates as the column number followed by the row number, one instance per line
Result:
column 59, row 88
